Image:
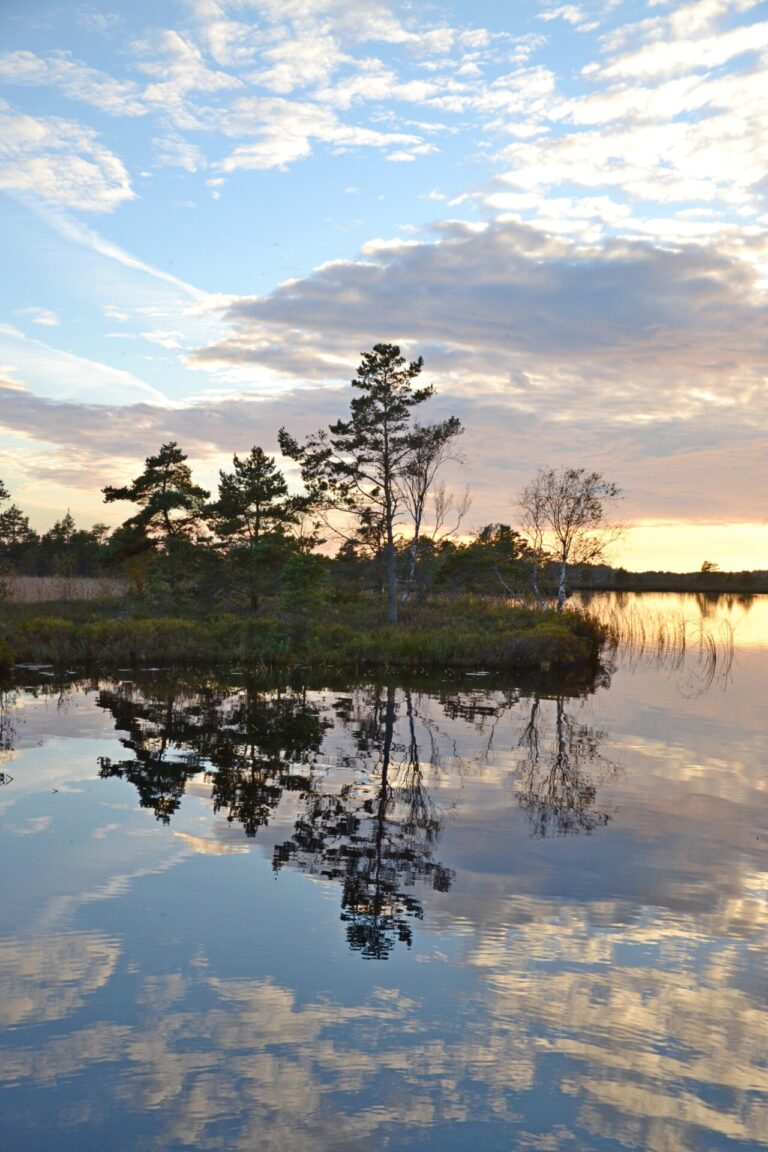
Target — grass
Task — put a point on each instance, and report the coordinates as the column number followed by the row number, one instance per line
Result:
column 47, row 589
column 670, row 640
column 461, row 634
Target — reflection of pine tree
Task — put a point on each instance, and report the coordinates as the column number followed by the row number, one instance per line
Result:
column 374, row 836
column 158, row 735
column 556, row 786
column 248, row 744
column 7, row 732
column 259, row 753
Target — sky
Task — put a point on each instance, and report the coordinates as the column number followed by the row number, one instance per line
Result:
column 210, row 210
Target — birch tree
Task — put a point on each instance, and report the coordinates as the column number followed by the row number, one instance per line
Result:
column 565, row 515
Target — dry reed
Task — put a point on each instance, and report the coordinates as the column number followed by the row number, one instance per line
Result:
column 46, row 589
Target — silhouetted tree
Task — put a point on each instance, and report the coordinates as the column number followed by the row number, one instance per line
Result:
column 254, row 516
column 357, row 465
column 171, row 507
column 431, row 448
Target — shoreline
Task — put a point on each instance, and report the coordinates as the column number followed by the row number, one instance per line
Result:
column 452, row 636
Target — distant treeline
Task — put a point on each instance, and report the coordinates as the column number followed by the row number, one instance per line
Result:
column 372, row 481
column 602, row 577
column 494, row 561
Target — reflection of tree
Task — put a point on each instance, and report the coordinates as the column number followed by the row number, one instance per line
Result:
column 258, row 754
column 557, row 787
column 375, row 835
column 247, row 742
column 158, row 733
column 7, row 732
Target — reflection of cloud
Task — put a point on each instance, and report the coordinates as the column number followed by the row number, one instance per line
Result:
column 30, row 826
column 205, row 846
column 48, row 977
column 643, row 1042
column 266, row 1063
column 642, row 1048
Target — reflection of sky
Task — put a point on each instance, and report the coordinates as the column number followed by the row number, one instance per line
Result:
column 589, row 991
column 702, row 615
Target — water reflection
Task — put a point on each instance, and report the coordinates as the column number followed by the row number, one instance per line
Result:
column 251, row 745
column 7, row 732
column 562, row 991
column 559, row 773
column 369, row 821
column 376, row 833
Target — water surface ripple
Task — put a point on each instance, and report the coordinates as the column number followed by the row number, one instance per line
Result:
column 457, row 915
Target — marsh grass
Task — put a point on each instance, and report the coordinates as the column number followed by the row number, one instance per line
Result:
column 58, row 589
column 703, row 647
column 460, row 634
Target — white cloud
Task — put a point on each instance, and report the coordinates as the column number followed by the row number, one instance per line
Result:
column 287, row 128
column 74, row 80
column 43, row 316
column 230, row 42
column 80, row 233
column 668, row 57
column 93, row 20
column 174, row 151
column 570, row 13
column 60, row 161
column 301, row 61
column 70, row 376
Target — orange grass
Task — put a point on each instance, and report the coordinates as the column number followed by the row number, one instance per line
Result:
column 41, row 589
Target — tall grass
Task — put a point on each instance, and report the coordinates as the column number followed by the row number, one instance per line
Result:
column 50, row 589
column 670, row 640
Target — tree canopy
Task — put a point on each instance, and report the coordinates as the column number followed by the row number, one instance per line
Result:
column 358, row 466
column 170, row 504
column 565, row 515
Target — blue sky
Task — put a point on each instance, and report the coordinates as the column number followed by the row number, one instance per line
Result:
column 210, row 209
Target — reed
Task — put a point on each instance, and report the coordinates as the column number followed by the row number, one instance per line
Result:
column 57, row 589
column 669, row 640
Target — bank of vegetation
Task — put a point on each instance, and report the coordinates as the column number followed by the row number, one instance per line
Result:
column 366, row 565
column 460, row 634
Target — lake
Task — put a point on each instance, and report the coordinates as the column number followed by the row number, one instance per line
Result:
column 451, row 915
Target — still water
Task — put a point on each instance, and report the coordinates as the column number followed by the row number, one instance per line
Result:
column 464, row 915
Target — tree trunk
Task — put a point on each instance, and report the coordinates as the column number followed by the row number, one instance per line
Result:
column 391, row 582
column 562, row 590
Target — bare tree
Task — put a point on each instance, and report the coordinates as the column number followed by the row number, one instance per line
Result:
column 565, row 517
column 432, row 447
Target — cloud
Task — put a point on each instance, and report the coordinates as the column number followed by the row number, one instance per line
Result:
column 285, row 130
column 508, row 294
column 81, row 234
column 690, row 36
column 68, row 374
column 630, row 353
column 61, row 162
column 75, row 80
column 304, row 60
column 43, row 316
column 173, row 151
